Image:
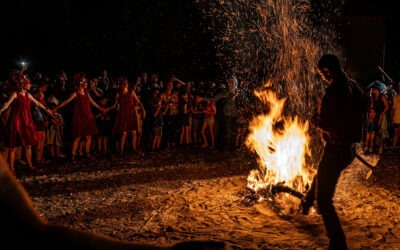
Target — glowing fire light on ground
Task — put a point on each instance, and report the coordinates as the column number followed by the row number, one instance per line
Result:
column 281, row 143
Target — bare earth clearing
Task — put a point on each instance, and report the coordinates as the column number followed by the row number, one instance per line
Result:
column 182, row 195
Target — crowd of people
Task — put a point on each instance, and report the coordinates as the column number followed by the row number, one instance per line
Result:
column 383, row 116
column 82, row 116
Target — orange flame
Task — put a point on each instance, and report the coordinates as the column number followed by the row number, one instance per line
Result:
column 281, row 144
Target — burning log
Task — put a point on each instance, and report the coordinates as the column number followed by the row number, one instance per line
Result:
column 279, row 188
column 251, row 197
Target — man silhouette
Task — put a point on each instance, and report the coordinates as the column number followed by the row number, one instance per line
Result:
column 341, row 120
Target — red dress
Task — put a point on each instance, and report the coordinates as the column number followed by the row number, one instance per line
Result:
column 126, row 119
column 22, row 130
column 83, row 123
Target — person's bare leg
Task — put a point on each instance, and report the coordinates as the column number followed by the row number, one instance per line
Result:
column 123, row 139
column 134, row 138
column 212, row 136
column 28, row 156
column 238, row 137
column 153, row 146
column 187, row 134
column 371, row 142
column 159, row 141
column 88, row 144
column 182, row 134
column 105, row 144
column 367, row 138
column 203, row 134
column 75, row 145
column 58, row 153
column 395, row 137
column 81, row 146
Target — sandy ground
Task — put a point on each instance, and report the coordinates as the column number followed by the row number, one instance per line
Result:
column 184, row 195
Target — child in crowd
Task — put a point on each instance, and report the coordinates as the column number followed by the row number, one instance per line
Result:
column 209, row 113
column 185, row 112
column 55, row 133
column 157, row 118
column 103, row 122
column 371, row 130
column 139, row 114
column 41, row 122
column 197, row 120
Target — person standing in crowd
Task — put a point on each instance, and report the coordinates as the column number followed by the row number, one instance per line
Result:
column 380, row 104
column 104, row 81
column 139, row 113
column 371, row 130
column 22, row 131
column 197, row 120
column 341, row 120
column 55, row 133
column 126, row 120
column 209, row 113
column 231, row 97
column 185, row 112
column 103, row 121
column 41, row 123
column 171, row 99
column 157, row 119
column 83, row 123
column 395, row 114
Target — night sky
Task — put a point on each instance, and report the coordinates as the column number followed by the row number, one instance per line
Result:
column 125, row 37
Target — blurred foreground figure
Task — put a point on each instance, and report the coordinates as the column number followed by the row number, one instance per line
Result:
column 341, row 119
column 22, row 228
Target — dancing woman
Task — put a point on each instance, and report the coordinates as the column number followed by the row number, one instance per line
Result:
column 126, row 119
column 83, row 123
column 22, row 130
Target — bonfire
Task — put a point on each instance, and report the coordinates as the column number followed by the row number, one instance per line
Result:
column 282, row 144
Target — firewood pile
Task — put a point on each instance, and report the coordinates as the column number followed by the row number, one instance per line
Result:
column 251, row 197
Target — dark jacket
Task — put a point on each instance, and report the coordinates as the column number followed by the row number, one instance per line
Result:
column 343, row 111
column 230, row 104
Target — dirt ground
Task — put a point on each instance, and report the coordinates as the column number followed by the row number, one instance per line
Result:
column 167, row 197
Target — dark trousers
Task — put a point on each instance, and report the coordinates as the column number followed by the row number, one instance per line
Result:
column 171, row 128
column 230, row 130
column 335, row 159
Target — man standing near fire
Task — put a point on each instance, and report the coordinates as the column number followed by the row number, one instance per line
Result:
column 341, row 119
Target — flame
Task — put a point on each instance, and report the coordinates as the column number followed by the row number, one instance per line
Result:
column 281, row 144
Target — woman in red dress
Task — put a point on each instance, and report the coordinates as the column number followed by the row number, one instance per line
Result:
column 83, row 123
column 126, row 119
column 22, row 130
